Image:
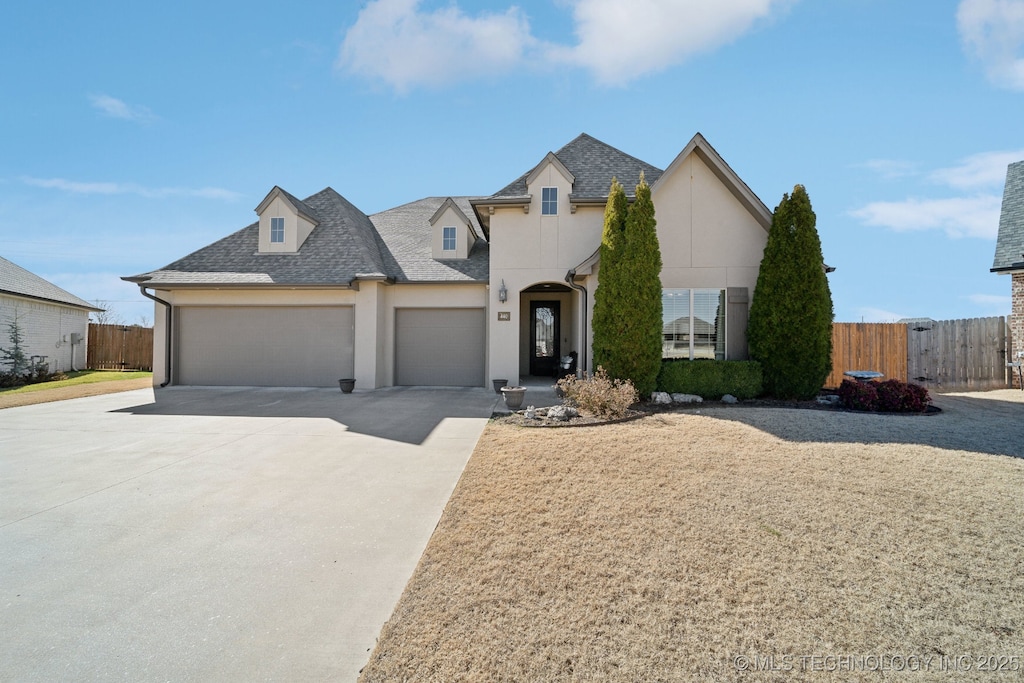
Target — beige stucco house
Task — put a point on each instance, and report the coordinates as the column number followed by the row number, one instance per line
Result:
column 455, row 290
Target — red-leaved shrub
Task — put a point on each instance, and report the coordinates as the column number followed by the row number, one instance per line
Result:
column 890, row 396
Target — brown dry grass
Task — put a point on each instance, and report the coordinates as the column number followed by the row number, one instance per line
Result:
column 13, row 400
column 663, row 549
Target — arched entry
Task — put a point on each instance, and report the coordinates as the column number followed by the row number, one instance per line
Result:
column 547, row 327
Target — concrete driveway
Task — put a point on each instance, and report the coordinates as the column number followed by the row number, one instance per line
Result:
column 218, row 534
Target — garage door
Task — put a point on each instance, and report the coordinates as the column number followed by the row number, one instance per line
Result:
column 439, row 347
column 267, row 346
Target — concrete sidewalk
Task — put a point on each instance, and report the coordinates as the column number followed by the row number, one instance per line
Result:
column 219, row 534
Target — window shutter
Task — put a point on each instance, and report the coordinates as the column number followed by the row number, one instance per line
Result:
column 738, row 308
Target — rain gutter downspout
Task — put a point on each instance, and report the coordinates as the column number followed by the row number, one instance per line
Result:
column 570, row 280
column 167, row 345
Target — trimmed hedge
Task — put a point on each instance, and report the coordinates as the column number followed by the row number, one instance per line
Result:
column 711, row 379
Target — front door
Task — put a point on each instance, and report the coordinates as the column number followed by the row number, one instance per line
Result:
column 544, row 337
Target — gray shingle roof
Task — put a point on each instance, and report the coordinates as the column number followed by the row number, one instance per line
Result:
column 343, row 246
column 1010, row 244
column 16, row 280
column 406, row 233
column 594, row 164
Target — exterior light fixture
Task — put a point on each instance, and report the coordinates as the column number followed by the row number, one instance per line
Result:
column 502, row 293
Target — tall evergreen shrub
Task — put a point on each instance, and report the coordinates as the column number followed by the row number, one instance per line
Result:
column 608, row 322
column 790, row 327
column 627, row 302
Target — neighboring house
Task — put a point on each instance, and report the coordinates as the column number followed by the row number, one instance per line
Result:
column 1009, row 258
column 54, row 323
column 454, row 290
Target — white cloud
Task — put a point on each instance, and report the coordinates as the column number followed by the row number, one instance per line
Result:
column 405, row 46
column 992, row 31
column 987, row 169
column 869, row 314
column 619, row 40
column 393, row 40
column 958, row 216
column 106, row 188
column 991, row 301
column 118, row 109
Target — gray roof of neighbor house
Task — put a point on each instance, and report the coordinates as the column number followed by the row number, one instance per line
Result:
column 1010, row 244
column 16, row 280
column 594, row 164
column 406, row 232
column 345, row 245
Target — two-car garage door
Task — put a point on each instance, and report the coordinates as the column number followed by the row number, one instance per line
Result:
column 277, row 346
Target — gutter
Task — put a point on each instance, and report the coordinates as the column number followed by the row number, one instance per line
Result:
column 570, row 280
column 167, row 345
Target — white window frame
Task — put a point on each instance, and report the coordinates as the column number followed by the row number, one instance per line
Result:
column 691, row 294
column 449, row 235
column 277, row 230
column 549, row 201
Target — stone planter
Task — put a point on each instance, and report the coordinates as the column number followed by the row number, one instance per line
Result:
column 513, row 397
column 498, row 384
column 347, row 385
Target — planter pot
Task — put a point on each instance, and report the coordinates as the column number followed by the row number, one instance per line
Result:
column 513, row 396
column 498, row 384
column 347, row 385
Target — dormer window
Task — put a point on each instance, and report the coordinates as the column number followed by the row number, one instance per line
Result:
column 448, row 239
column 549, row 201
column 277, row 230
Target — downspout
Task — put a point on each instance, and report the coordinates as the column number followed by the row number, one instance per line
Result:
column 167, row 325
column 570, row 280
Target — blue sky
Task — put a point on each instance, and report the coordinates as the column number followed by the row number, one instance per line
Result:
column 135, row 133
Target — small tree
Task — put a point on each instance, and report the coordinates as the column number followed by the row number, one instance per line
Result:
column 609, row 311
column 790, row 325
column 14, row 356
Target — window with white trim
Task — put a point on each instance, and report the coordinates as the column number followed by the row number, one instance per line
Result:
column 693, row 323
column 276, row 230
column 549, row 201
column 448, row 239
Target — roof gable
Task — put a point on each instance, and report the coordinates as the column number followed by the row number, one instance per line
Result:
column 300, row 207
column 1010, row 243
column 702, row 148
column 16, row 280
column 592, row 164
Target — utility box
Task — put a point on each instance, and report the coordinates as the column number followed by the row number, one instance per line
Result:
column 76, row 337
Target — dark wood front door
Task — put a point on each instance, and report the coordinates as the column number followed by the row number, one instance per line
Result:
column 544, row 337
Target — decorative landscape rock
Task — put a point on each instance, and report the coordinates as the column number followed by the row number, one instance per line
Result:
column 661, row 398
column 686, row 398
column 828, row 399
column 562, row 413
column 530, row 413
column 729, row 398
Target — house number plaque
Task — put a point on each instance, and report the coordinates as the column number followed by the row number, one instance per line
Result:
column 504, row 315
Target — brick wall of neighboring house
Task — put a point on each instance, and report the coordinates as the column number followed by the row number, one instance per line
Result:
column 1017, row 320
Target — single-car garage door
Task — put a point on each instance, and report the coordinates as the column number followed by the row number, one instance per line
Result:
column 439, row 347
column 266, row 346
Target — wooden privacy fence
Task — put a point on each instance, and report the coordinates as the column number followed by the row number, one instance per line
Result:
column 958, row 354
column 945, row 355
column 868, row 346
column 119, row 347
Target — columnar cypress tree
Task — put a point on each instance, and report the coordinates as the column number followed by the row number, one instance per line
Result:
column 790, row 326
column 640, row 346
column 609, row 315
